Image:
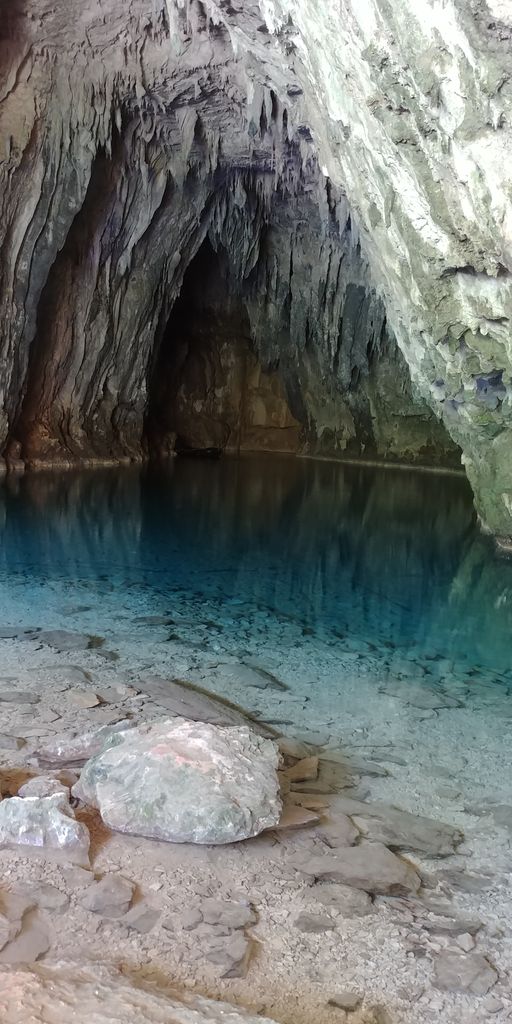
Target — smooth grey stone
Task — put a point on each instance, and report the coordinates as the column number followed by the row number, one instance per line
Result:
column 401, row 830
column 63, row 640
column 31, row 942
column 110, row 896
column 227, row 913
column 46, row 896
column 232, row 954
column 348, row 1001
column 351, row 902
column 370, row 866
column 451, row 926
column 142, row 917
column 457, row 972
column 19, row 697
column 314, row 923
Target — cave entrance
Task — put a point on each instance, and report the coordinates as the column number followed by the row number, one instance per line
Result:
column 208, row 388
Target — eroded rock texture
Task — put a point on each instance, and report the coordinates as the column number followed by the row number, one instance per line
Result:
column 239, row 145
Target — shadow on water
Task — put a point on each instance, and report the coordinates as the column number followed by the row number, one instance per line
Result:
column 392, row 557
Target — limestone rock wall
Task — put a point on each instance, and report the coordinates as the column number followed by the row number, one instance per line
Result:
column 349, row 158
column 418, row 100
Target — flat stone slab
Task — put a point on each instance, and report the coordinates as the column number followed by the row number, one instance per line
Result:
column 370, row 866
column 350, row 902
column 402, row 830
column 19, row 697
column 187, row 700
column 473, row 973
column 103, row 995
column 64, row 640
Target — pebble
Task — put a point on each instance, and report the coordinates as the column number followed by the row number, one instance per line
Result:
column 231, row 915
column 46, row 896
column 350, row 902
column 348, row 1001
column 492, row 1004
column 83, row 698
column 314, row 923
column 142, row 917
column 232, row 955
column 189, row 919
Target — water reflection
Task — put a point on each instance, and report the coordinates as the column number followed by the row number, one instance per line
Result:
column 389, row 556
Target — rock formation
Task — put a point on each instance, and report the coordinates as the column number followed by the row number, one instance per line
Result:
column 329, row 181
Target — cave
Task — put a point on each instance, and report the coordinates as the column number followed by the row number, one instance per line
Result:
column 255, row 511
column 208, row 389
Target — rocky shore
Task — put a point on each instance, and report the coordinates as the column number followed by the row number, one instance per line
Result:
column 374, row 899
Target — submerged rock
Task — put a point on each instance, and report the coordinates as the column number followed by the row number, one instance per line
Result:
column 65, row 640
column 44, row 824
column 98, row 993
column 185, row 781
column 188, row 700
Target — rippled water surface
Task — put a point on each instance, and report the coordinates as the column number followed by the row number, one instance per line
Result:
column 387, row 559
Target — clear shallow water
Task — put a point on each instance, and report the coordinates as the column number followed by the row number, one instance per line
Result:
column 378, row 561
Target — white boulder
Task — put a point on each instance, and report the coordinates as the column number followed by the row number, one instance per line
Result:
column 185, row 782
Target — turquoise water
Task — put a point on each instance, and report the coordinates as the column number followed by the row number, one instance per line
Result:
column 355, row 558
